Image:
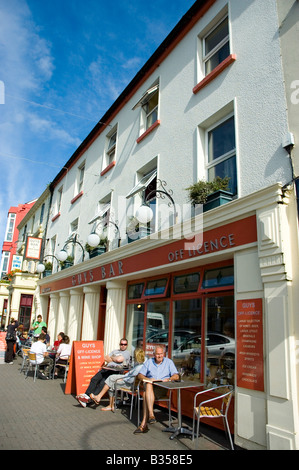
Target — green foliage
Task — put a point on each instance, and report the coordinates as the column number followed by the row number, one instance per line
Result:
column 198, row 192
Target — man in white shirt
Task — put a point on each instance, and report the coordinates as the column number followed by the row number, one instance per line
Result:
column 42, row 356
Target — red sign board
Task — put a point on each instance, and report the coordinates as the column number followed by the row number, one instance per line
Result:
column 87, row 358
column 250, row 360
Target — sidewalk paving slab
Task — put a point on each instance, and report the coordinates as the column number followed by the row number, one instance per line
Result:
column 39, row 416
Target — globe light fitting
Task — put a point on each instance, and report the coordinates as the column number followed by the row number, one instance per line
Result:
column 40, row 268
column 144, row 214
column 93, row 239
column 62, row 255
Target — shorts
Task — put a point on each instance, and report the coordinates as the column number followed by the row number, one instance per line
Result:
column 160, row 392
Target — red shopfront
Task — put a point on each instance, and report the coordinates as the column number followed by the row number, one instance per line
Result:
column 191, row 312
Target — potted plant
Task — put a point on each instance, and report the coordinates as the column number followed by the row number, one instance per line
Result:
column 67, row 263
column 97, row 250
column 48, row 269
column 210, row 193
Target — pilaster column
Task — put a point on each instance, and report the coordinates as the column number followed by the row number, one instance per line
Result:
column 53, row 315
column 276, row 236
column 75, row 314
column 115, row 314
column 91, row 312
column 63, row 312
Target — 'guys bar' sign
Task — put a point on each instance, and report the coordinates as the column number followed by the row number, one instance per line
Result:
column 223, row 238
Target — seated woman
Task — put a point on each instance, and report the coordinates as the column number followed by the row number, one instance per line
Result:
column 121, row 379
column 63, row 353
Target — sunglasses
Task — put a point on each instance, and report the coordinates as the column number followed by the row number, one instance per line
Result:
column 123, row 344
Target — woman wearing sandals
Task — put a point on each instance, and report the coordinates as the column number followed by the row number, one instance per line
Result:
column 123, row 380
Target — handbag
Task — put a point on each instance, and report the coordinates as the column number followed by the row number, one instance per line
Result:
column 10, row 336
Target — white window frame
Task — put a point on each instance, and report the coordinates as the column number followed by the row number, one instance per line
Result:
column 143, row 101
column 207, row 57
column 111, row 147
column 80, row 178
column 10, row 226
column 143, row 183
column 226, row 156
column 59, row 199
column 4, row 260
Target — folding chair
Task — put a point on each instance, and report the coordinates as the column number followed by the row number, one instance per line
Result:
column 24, row 352
column 130, row 390
column 33, row 363
column 213, row 408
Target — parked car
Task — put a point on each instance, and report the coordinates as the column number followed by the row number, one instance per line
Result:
column 179, row 336
column 217, row 345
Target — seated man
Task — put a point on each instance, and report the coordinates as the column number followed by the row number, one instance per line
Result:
column 156, row 368
column 124, row 380
column 42, row 356
column 97, row 382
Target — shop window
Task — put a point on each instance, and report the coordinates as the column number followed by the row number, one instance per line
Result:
column 186, row 283
column 135, row 290
column 220, row 277
column 135, row 325
column 186, row 337
column 156, row 287
column 220, row 341
column 157, row 325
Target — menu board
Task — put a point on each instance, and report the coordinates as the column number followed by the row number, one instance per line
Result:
column 250, row 361
column 87, row 358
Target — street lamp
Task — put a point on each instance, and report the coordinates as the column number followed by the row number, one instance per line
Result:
column 41, row 267
column 94, row 238
column 62, row 254
column 144, row 213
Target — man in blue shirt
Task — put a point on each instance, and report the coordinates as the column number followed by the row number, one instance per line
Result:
column 156, row 368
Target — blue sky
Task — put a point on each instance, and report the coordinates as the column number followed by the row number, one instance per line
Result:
column 62, row 64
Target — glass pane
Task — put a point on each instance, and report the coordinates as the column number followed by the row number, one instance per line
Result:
column 226, row 168
column 218, row 277
column 135, row 326
column 220, row 341
column 135, row 291
column 217, row 58
column 221, row 139
column 186, row 346
column 151, row 118
column 156, row 287
column 157, row 324
column 216, row 36
column 186, row 283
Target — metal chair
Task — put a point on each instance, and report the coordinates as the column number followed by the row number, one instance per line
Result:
column 130, row 390
column 33, row 363
column 63, row 366
column 24, row 352
column 216, row 407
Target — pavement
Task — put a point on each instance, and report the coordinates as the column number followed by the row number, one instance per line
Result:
column 39, row 416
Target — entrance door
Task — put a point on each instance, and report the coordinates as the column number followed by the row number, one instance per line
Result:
column 25, row 310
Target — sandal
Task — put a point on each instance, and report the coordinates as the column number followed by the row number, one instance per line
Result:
column 141, row 430
column 152, row 420
column 107, row 408
column 94, row 399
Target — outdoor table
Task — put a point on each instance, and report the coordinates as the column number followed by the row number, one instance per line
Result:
column 178, row 386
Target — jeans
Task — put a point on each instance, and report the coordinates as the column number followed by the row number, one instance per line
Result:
column 97, row 382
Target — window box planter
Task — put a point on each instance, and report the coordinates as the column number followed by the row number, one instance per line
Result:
column 99, row 250
column 216, row 199
column 141, row 232
column 66, row 264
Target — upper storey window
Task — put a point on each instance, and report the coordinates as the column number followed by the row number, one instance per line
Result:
column 149, row 103
column 216, row 46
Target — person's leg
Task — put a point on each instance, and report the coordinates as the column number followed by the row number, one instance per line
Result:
column 94, row 383
column 97, row 398
column 150, row 399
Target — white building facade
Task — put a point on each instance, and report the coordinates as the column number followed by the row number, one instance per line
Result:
column 210, row 102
